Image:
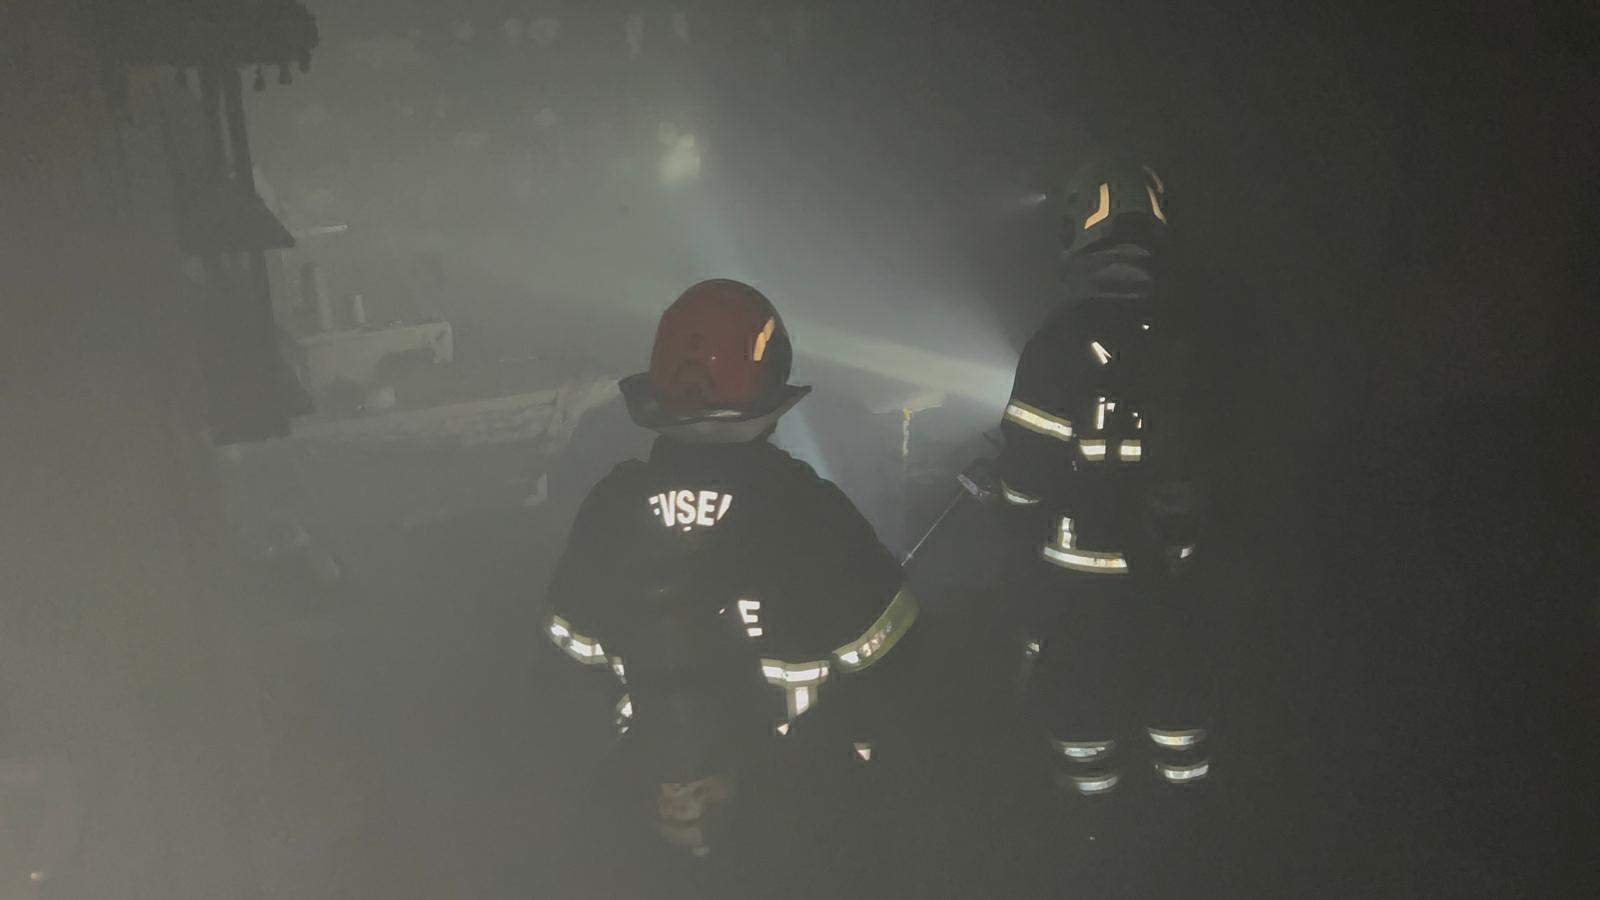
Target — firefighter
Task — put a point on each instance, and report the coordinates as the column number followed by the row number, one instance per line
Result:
column 1102, row 505
column 743, row 606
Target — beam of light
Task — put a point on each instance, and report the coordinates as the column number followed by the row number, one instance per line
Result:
column 988, row 383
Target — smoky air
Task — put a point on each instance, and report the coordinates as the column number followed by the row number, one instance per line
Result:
column 695, row 448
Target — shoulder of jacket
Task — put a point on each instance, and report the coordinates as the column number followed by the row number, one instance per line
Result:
column 790, row 466
column 624, row 475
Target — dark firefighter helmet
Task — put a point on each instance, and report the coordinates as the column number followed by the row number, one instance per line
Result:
column 1113, row 198
column 719, row 369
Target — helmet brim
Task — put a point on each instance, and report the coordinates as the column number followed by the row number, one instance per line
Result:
column 707, row 426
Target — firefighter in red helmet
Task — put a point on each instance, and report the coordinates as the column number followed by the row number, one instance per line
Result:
column 742, row 604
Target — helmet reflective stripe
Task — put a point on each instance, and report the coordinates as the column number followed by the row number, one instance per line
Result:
column 1099, row 215
column 881, row 636
column 1187, row 737
column 1155, row 179
column 762, row 338
column 1155, row 189
column 1035, row 419
column 1155, row 205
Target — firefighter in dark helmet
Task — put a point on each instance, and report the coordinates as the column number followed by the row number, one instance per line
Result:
column 741, row 603
column 1103, row 501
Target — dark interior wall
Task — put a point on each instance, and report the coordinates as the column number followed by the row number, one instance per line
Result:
column 117, row 654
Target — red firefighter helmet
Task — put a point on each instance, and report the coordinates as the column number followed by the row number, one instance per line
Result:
column 719, row 346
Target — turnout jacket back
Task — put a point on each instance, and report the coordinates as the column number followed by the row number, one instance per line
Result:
column 729, row 586
column 1102, row 428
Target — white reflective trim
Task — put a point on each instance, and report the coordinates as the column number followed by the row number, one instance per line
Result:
column 1083, row 751
column 1100, row 352
column 619, row 670
column 799, row 700
column 560, row 630
column 1094, row 449
column 1096, row 784
column 748, row 610
column 755, row 631
column 1130, row 451
column 1035, row 419
column 784, row 674
column 864, row 750
column 1144, row 326
column 1187, row 737
column 1064, row 535
column 624, row 715
column 1160, row 187
column 783, row 728
column 1184, row 774
column 1031, row 649
column 586, row 650
column 1086, row 560
column 1138, row 420
column 1186, row 551
column 1016, row 497
column 1102, row 405
column 881, row 635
